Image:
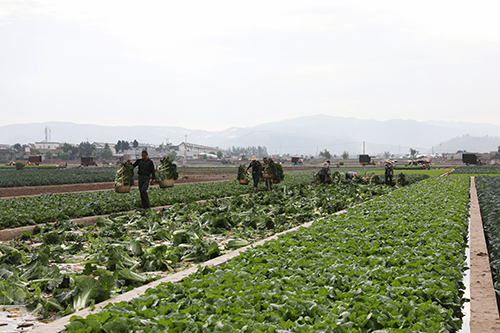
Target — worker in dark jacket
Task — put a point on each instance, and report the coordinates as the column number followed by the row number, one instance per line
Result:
column 323, row 172
column 147, row 176
column 256, row 170
column 389, row 172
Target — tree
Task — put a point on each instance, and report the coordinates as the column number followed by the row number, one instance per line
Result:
column 345, row 155
column 387, row 154
column 219, row 154
column 64, row 156
column 106, row 153
column 118, row 146
column 413, row 153
column 35, row 151
column 48, row 155
column 325, row 154
column 135, row 144
column 86, row 149
column 71, row 149
column 17, row 147
column 122, row 145
column 497, row 154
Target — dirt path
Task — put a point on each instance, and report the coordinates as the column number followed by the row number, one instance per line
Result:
column 483, row 303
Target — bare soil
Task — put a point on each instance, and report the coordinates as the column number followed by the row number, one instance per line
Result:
column 7, row 192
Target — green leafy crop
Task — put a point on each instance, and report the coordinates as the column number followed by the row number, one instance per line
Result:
column 393, row 264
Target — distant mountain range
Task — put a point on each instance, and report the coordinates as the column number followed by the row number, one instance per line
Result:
column 302, row 135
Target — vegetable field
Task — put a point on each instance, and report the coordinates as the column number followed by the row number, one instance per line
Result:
column 393, row 264
column 66, row 267
column 47, row 207
column 476, row 170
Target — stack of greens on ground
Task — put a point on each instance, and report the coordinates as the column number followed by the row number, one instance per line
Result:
column 168, row 172
column 124, row 176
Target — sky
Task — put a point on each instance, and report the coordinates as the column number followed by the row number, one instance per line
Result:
column 213, row 65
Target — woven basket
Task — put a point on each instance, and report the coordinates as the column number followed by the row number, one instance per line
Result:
column 244, row 181
column 166, row 183
column 266, row 175
column 122, row 189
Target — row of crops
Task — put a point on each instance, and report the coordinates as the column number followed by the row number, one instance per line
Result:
column 66, row 267
column 488, row 191
column 16, row 178
column 47, row 207
column 477, row 170
column 393, row 264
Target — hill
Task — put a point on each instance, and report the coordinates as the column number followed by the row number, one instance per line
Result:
column 302, row 135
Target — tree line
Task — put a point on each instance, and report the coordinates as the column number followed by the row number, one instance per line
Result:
column 69, row 151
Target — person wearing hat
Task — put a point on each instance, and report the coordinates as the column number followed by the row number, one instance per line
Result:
column 323, row 172
column 256, row 170
column 389, row 172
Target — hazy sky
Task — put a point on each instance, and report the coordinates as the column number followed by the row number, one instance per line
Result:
column 216, row 64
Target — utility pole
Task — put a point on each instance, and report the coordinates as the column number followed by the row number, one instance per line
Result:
column 184, row 162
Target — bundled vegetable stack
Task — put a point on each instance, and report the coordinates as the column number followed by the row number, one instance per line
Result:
column 124, row 177
column 243, row 176
column 279, row 175
column 270, row 169
column 168, row 172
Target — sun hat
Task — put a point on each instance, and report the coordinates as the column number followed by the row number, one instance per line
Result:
column 254, row 158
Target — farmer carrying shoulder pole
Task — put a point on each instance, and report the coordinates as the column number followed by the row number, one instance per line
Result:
column 147, row 175
column 323, row 172
column 256, row 169
column 389, row 172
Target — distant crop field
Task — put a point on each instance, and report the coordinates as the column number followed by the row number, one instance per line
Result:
column 477, row 170
column 381, row 171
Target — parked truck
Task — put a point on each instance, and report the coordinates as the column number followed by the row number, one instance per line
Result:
column 35, row 160
column 365, row 159
column 470, row 158
column 88, row 160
